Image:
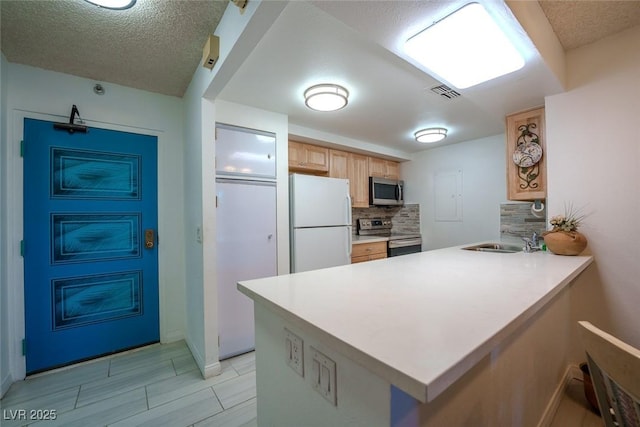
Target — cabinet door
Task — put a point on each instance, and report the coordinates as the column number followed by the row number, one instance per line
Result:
column 526, row 129
column 296, row 154
column 384, row 168
column 308, row 158
column 392, row 169
column 377, row 167
column 245, row 250
column 317, row 158
column 359, row 180
column 246, row 152
column 339, row 164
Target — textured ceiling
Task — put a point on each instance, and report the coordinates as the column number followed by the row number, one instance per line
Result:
column 154, row 46
column 577, row 23
column 157, row 46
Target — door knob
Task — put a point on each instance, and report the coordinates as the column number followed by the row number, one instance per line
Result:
column 149, row 238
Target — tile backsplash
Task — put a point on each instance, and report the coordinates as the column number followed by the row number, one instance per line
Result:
column 517, row 221
column 405, row 219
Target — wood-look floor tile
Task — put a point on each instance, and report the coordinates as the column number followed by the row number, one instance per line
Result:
column 103, row 412
column 54, row 382
column 236, row 390
column 574, row 409
column 244, row 363
column 181, row 412
column 149, row 355
column 58, row 402
column 241, row 415
column 184, row 364
column 173, row 388
column 102, row 389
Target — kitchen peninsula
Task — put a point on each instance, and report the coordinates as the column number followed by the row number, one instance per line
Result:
column 444, row 337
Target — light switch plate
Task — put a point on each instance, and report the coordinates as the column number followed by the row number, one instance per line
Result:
column 294, row 351
column 323, row 371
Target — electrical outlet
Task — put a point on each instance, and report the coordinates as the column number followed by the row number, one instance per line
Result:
column 294, row 351
column 323, row 371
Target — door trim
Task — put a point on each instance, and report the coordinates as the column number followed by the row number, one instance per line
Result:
column 15, row 265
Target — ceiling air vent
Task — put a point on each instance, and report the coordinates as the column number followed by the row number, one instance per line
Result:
column 445, row 91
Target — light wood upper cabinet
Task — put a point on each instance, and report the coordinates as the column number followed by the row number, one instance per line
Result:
column 307, row 157
column 355, row 168
column 359, row 180
column 382, row 168
column 526, row 155
column 338, row 164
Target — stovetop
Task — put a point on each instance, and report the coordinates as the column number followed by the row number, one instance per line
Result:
column 381, row 227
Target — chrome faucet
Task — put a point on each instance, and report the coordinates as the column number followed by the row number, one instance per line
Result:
column 531, row 244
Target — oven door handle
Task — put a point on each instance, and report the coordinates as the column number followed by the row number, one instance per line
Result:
column 405, row 242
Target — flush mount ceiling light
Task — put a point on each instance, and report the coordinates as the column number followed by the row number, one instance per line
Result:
column 465, row 48
column 430, row 135
column 326, row 97
column 113, row 4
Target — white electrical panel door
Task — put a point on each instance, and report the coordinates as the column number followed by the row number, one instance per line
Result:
column 321, row 247
column 245, row 152
column 246, row 249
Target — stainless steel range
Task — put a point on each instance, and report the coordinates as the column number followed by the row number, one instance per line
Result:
column 399, row 243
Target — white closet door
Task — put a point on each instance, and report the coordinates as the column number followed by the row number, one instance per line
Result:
column 245, row 152
column 246, row 249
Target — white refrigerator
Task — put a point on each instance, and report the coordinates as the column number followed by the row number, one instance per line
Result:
column 320, row 218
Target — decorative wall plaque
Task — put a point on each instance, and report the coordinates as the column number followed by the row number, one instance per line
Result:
column 526, row 165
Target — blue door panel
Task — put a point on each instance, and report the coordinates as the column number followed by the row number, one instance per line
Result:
column 91, row 284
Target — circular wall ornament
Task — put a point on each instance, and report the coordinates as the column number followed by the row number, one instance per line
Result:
column 527, row 155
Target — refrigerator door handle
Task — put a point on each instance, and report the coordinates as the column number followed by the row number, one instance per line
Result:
column 349, row 210
column 349, row 242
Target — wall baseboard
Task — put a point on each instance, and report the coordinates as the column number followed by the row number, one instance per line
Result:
column 172, row 336
column 6, row 383
column 212, row 369
column 570, row 373
column 207, row 371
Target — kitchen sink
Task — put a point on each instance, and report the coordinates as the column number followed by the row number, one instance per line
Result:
column 494, row 247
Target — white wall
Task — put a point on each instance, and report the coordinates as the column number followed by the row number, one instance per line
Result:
column 5, row 377
column 482, row 163
column 593, row 158
column 33, row 92
column 239, row 34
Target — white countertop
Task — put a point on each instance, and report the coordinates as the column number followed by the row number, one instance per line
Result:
column 357, row 239
column 422, row 320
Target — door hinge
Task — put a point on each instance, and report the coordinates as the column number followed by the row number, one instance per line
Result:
column 24, row 346
column 22, row 148
column 22, row 248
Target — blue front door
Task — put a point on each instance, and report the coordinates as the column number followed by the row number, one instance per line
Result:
column 90, row 252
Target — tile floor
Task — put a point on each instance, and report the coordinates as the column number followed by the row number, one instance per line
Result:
column 574, row 409
column 160, row 385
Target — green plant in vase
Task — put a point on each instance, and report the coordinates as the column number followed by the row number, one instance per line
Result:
column 564, row 237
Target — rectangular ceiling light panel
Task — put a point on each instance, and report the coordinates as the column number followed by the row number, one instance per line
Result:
column 465, row 48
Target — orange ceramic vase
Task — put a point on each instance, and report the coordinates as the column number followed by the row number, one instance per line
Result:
column 565, row 242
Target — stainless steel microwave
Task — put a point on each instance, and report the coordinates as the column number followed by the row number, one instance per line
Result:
column 385, row 192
